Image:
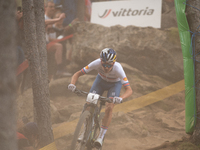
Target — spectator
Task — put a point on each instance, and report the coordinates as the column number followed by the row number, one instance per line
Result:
column 69, row 8
column 58, row 26
column 28, row 138
column 68, row 31
column 65, row 31
column 49, row 13
column 57, row 48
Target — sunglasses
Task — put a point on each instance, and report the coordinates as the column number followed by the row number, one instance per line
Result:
column 107, row 65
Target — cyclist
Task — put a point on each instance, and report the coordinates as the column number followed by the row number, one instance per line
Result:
column 111, row 77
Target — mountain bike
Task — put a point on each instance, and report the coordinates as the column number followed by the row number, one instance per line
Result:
column 89, row 124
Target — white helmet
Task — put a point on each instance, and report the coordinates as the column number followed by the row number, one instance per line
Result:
column 108, row 55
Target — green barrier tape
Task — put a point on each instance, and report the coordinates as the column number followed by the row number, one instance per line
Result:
column 190, row 96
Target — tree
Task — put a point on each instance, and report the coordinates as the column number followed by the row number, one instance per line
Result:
column 8, row 61
column 34, row 29
column 193, row 17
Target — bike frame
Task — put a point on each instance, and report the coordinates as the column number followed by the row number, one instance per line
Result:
column 93, row 123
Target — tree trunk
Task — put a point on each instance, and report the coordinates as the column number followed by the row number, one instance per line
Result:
column 8, row 64
column 80, row 9
column 45, row 119
column 193, row 17
column 36, row 47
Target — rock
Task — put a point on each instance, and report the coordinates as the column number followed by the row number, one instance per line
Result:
column 67, row 111
column 75, row 116
column 146, row 49
column 54, row 114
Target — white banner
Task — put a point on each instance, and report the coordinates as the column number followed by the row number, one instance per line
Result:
column 142, row 13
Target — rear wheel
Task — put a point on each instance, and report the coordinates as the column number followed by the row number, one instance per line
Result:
column 81, row 133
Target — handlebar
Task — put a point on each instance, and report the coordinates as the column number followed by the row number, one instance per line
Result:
column 101, row 98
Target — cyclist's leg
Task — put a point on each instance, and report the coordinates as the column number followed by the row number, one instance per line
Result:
column 114, row 90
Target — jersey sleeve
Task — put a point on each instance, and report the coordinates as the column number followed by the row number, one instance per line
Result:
column 123, row 78
column 92, row 66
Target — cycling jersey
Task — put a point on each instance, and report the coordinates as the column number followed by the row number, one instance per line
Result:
column 116, row 74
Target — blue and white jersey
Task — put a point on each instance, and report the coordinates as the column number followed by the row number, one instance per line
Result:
column 116, row 74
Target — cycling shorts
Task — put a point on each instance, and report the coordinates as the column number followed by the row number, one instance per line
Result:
column 100, row 85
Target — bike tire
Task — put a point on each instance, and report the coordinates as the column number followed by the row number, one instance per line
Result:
column 76, row 145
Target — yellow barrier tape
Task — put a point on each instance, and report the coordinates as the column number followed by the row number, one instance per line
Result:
column 51, row 146
column 151, row 97
column 64, row 129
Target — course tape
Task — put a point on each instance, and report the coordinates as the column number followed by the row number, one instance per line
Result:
column 51, row 146
column 150, row 98
column 67, row 128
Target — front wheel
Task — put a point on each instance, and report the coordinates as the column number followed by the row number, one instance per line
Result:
column 79, row 140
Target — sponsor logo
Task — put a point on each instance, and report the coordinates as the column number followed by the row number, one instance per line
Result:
column 86, row 67
column 105, row 14
column 127, row 12
column 125, row 79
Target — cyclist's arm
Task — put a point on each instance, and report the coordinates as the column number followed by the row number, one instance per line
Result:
column 93, row 65
column 127, row 93
column 76, row 76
